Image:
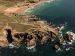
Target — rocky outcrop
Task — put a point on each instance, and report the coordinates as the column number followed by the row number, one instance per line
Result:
column 40, row 33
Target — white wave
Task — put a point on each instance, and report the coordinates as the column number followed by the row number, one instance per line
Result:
column 11, row 45
column 71, row 33
column 59, row 49
column 30, row 9
column 70, row 42
column 50, row 1
column 31, row 49
column 67, row 49
column 62, row 27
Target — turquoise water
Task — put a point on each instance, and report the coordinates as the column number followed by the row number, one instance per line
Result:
column 58, row 12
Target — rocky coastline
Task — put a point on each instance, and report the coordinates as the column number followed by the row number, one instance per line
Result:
column 20, row 29
column 41, row 33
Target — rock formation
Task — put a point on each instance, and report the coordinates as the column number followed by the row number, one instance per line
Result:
column 17, row 29
column 39, row 32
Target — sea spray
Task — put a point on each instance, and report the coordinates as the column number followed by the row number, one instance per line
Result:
column 31, row 49
column 48, row 1
column 11, row 46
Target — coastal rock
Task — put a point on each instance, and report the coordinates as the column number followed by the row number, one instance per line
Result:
column 29, row 31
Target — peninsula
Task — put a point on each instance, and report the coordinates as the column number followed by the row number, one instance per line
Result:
column 17, row 29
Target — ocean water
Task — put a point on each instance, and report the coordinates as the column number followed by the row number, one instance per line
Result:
column 57, row 12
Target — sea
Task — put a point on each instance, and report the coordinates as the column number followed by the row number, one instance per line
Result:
column 58, row 12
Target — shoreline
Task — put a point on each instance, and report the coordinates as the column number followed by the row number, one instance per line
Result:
column 43, row 29
column 37, row 5
column 22, row 8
